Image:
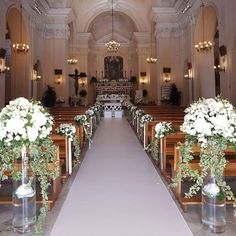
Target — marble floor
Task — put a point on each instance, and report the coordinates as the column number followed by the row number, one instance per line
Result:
column 118, row 192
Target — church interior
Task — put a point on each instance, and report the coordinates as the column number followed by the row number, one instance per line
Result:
column 125, row 67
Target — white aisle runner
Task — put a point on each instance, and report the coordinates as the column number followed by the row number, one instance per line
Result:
column 117, row 191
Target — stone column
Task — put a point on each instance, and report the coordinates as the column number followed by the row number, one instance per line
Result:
column 83, row 50
column 143, row 45
column 57, row 35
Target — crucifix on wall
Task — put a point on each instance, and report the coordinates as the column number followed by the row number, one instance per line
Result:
column 76, row 77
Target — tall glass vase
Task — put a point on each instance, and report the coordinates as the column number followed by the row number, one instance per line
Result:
column 24, row 198
column 213, row 205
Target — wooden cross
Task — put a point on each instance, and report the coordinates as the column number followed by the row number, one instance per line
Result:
column 76, row 77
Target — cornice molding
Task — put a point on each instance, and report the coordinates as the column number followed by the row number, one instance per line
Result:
column 57, row 31
column 166, row 30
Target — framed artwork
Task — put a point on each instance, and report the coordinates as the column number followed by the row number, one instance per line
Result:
column 113, row 67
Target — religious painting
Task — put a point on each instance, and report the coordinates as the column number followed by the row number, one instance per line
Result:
column 113, row 67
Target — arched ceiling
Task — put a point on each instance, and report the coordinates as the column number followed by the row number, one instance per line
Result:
column 101, row 25
column 63, row 3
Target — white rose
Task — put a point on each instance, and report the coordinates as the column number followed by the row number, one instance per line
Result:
column 32, row 134
column 39, row 119
column 15, row 125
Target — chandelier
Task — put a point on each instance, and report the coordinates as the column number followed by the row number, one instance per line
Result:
column 151, row 59
column 112, row 45
column 72, row 60
column 203, row 46
column 20, row 47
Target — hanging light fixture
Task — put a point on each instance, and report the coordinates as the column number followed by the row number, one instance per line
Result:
column 204, row 45
column 72, row 60
column 112, row 45
column 151, row 59
column 21, row 47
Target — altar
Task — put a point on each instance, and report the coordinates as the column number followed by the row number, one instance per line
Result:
column 112, row 98
column 121, row 86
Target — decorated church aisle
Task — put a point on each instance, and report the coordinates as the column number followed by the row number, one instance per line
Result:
column 117, row 191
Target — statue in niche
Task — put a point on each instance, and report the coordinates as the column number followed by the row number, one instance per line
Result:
column 113, row 67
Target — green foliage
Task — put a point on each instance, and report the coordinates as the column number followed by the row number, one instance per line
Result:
column 83, row 93
column 175, row 95
column 93, row 80
column 133, row 79
column 145, row 93
column 212, row 158
column 49, row 97
column 42, row 153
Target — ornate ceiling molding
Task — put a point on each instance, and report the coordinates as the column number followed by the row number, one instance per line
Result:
column 57, row 31
column 167, row 30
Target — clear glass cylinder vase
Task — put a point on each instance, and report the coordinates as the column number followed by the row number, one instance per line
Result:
column 24, row 198
column 213, row 205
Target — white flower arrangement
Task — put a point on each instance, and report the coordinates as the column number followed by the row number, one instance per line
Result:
column 133, row 108
column 90, row 113
column 23, row 121
column 162, row 129
column 145, row 119
column 138, row 113
column 83, row 120
column 210, row 123
column 25, row 125
column 60, row 99
column 210, row 117
column 67, row 129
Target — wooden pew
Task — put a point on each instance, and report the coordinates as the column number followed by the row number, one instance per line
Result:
column 54, row 189
column 230, row 171
column 63, row 144
column 166, row 151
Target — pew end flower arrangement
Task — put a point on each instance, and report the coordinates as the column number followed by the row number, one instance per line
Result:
column 83, row 120
column 161, row 130
column 69, row 130
column 145, row 119
column 210, row 124
column 24, row 138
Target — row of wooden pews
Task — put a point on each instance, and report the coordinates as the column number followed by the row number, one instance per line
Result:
column 168, row 151
column 65, row 148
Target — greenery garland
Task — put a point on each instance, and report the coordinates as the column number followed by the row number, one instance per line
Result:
column 83, row 120
column 210, row 124
column 69, row 130
column 27, row 123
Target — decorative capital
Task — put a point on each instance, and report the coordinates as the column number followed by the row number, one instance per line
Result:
column 61, row 31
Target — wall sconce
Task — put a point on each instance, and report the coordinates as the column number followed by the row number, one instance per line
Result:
column 189, row 75
column 83, row 78
column 3, row 67
column 219, row 68
column 166, row 74
column 35, row 73
column 143, row 77
column 58, row 76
